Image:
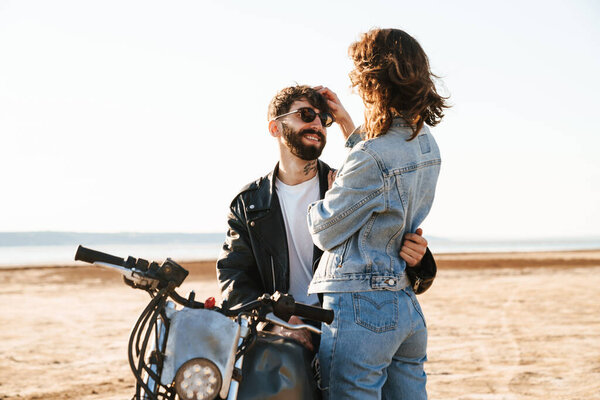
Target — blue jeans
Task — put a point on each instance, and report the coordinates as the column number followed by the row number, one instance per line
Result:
column 375, row 347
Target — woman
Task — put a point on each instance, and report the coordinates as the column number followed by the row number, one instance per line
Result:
column 376, row 346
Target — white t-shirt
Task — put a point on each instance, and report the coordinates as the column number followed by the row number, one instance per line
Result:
column 294, row 201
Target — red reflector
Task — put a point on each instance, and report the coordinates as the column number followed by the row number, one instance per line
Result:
column 209, row 303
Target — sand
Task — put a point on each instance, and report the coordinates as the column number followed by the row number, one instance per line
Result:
column 501, row 326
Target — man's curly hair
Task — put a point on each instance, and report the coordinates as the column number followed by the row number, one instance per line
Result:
column 392, row 75
column 283, row 100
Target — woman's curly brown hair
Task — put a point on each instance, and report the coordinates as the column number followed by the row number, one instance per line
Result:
column 392, row 75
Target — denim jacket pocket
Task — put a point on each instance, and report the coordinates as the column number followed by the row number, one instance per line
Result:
column 336, row 259
column 377, row 310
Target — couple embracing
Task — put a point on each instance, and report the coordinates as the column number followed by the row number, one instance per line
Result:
column 350, row 238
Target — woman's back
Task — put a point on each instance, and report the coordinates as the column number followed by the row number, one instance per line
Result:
column 385, row 188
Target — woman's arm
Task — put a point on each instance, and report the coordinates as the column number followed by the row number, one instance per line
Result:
column 340, row 114
column 357, row 193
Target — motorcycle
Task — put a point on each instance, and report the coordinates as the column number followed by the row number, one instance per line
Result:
column 183, row 349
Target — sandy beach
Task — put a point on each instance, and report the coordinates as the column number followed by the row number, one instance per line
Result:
column 501, row 326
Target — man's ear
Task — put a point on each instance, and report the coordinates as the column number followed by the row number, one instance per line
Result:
column 275, row 128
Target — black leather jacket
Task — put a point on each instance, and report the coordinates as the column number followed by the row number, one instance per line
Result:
column 254, row 258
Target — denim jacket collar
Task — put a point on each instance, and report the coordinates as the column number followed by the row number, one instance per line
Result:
column 359, row 133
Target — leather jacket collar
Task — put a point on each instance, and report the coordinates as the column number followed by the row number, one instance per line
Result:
column 266, row 197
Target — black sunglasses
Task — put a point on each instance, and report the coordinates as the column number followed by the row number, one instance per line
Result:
column 308, row 115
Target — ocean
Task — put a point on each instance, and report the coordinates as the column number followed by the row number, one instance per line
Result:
column 58, row 248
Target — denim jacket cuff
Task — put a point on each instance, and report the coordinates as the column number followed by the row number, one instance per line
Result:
column 354, row 138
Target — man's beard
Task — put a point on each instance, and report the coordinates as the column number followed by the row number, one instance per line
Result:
column 299, row 149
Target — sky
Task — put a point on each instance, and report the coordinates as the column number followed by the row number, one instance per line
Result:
column 149, row 116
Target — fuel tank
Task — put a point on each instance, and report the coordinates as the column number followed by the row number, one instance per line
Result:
column 277, row 368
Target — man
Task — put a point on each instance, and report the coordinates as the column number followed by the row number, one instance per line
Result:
column 268, row 246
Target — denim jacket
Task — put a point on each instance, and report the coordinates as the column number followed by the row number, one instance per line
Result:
column 384, row 189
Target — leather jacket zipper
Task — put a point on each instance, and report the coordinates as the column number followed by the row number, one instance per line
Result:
column 273, row 272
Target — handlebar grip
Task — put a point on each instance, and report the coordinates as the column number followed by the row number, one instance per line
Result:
column 91, row 256
column 314, row 313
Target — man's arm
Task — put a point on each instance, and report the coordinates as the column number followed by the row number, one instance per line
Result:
column 238, row 276
column 237, row 271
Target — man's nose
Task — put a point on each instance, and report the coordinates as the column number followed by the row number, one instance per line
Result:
column 317, row 122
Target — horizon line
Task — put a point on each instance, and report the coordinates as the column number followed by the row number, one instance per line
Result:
column 435, row 237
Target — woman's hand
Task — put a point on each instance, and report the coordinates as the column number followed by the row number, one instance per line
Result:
column 340, row 114
column 331, row 177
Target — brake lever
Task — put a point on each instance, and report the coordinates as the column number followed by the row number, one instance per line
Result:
column 134, row 275
column 278, row 321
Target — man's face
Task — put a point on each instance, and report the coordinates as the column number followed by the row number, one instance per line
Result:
column 305, row 140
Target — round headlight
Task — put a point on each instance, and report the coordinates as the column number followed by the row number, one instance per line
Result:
column 198, row 379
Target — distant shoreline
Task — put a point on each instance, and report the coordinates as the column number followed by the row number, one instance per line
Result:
column 512, row 259
column 39, row 249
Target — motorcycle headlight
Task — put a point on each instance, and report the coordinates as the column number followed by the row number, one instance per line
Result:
column 198, row 379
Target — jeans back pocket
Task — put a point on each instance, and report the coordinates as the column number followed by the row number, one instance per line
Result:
column 377, row 310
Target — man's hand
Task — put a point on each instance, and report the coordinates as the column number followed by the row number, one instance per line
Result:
column 414, row 248
column 337, row 109
column 301, row 335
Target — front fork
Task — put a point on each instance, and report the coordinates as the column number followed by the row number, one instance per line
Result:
column 160, row 333
column 235, row 385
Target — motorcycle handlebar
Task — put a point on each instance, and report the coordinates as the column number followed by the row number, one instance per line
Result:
column 91, row 256
column 314, row 313
column 138, row 273
column 284, row 305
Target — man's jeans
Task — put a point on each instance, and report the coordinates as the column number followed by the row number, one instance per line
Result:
column 375, row 347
